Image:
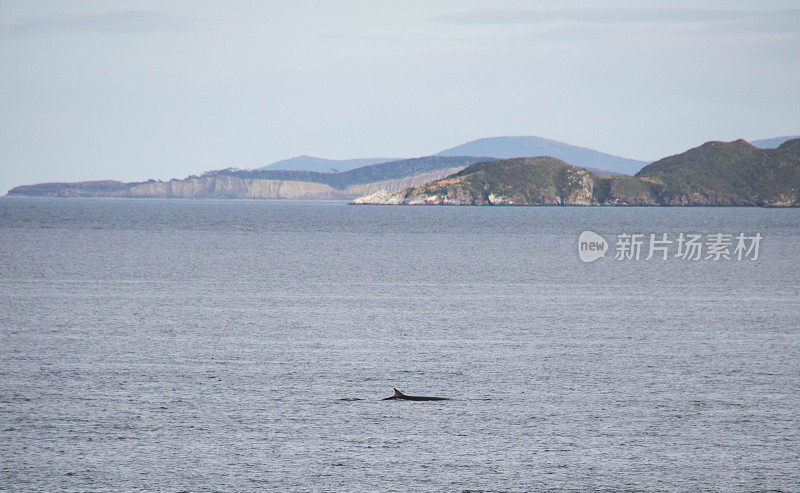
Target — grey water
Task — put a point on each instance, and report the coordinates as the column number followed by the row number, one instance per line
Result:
column 246, row 345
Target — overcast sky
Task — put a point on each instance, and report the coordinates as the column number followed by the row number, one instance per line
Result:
column 138, row 90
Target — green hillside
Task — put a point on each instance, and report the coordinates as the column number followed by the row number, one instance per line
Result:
column 728, row 173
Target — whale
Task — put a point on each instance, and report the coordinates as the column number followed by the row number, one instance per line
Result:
column 400, row 395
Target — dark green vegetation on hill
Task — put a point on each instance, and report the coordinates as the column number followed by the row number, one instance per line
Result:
column 715, row 174
column 728, row 173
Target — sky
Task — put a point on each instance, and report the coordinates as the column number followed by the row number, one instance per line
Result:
column 148, row 89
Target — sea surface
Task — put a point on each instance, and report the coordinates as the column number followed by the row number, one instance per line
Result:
column 246, row 345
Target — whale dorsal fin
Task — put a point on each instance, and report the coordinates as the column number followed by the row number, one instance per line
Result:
column 397, row 393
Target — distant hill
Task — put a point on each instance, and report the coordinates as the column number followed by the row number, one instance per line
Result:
column 773, row 142
column 714, row 174
column 512, row 147
column 365, row 174
column 493, row 147
column 321, row 165
column 267, row 183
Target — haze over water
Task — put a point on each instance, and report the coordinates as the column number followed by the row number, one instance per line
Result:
column 238, row 345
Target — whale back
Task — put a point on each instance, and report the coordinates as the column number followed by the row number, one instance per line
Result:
column 400, row 395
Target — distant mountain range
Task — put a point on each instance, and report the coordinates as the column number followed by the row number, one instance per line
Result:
column 511, row 147
column 773, row 142
column 714, row 174
column 321, row 165
column 493, row 147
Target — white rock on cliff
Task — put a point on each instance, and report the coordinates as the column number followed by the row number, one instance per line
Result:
column 381, row 197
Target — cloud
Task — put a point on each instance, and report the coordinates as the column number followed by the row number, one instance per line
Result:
column 131, row 21
column 610, row 16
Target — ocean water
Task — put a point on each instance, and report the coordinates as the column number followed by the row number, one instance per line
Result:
column 246, row 345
